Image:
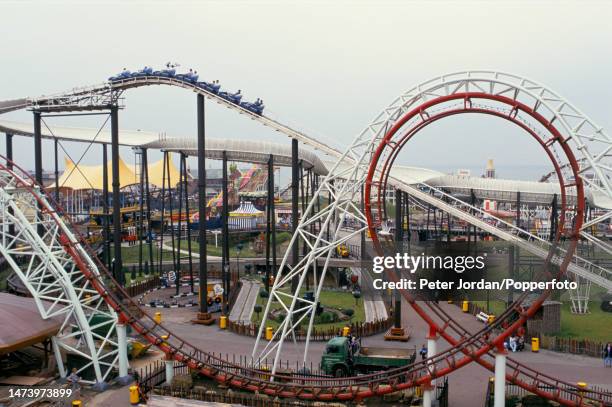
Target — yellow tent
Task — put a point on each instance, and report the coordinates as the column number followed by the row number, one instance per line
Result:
column 91, row 176
column 156, row 172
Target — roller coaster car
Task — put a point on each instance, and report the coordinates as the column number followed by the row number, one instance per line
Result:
column 188, row 77
column 123, row 75
column 143, row 72
column 232, row 97
column 168, row 73
column 256, row 107
column 210, row 87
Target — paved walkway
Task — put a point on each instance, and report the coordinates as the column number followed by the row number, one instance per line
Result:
column 247, row 297
column 375, row 309
column 467, row 386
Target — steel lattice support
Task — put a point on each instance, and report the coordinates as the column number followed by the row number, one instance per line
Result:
column 44, row 265
column 353, row 171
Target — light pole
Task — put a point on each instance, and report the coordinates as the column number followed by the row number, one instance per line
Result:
column 226, row 282
column 238, row 250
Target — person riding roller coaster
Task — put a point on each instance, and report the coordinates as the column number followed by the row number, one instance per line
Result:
column 192, row 76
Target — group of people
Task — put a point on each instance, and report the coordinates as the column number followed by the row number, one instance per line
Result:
column 515, row 343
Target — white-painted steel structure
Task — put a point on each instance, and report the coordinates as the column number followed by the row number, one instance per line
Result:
column 33, row 240
column 346, row 179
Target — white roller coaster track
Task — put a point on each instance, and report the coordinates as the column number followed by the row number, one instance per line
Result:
column 347, row 178
column 33, row 239
column 80, row 302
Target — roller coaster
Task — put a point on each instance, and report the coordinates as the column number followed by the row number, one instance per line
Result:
column 66, row 278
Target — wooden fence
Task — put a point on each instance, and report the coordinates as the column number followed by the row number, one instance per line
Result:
column 556, row 343
column 359, row 329
column 575, row 346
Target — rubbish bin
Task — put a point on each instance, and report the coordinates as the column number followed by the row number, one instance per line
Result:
column 535, row 344
column 158, row 317
column 223, row 322
column 134, row 396
column 269, row 333
column 346, row 331
column 465, row 306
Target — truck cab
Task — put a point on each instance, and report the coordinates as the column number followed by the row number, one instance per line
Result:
column 336, row 359
column 343, row 359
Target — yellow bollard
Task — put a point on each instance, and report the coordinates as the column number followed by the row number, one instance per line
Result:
column 465, row 306
column 157, row 317
column 583, row 387
column 269, row 333
column 535, row 344
column 491, row 319
column 76, row 403
column 346, row 331
column 134, row 396
column 223, row 322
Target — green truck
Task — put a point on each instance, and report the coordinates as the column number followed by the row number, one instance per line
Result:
column 341, row 359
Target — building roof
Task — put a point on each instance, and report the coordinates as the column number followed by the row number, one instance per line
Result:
column 92, row 176
column 22, row 324
column 246, row 208
column 242, row 150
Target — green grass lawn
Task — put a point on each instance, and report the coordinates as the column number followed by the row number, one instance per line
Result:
column 329, row 299
column 131, row 254
column 596, row 326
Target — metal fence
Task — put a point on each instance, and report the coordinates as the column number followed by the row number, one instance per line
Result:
column 517, row 392
column 575, row 346
column 151, row 378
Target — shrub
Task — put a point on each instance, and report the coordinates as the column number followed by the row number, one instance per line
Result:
column 349, row 312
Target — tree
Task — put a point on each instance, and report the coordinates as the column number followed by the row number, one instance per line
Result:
column 257, row 308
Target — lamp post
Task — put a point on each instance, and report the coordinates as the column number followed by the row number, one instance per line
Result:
column 226, row 282
column 238, row 250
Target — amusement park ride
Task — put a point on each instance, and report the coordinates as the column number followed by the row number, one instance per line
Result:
column 66, row 279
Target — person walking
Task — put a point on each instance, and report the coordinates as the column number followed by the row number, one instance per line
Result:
column 423, row 352
column 607, row 355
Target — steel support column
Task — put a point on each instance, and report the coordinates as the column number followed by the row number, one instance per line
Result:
column 38, row 156
column 499, row 392
column 203, row 268
column 145, row 164
column 37, row 148
column 187, row 218
column 9, row 150
column 105, row 212
column 225, row 266
column 399, row 248
column 116, row 182
column 9, row 164
column 295, row 192
column 553, row 219
column 269, row 204
column 122, row 346
column 56, row 168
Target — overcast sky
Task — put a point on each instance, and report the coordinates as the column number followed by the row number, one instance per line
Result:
column 326, row 68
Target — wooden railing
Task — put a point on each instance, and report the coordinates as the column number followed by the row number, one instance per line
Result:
column 359, row 329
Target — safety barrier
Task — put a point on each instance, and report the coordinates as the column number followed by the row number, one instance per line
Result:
column 359, row 329
column 574, row 346
column 518, row 393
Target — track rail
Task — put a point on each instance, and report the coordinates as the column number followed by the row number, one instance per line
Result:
column 245, row 377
